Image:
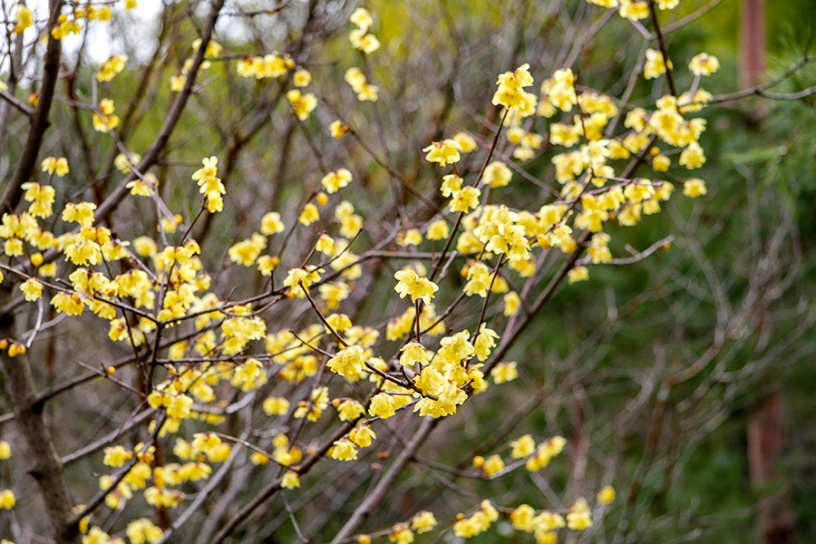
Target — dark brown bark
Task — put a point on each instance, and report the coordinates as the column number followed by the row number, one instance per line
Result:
column 765, row 441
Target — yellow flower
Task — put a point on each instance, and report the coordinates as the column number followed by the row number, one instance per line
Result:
column 606, row 495
column 347, row 362
column 668, row 4
column 69, row 304
column 655, row 65
column 579, row 273
column 497, row 174
column 7, row 499
column 307, row 277
column 523, row 447
column 32, row 289
column 23, row 18
column 116, row 456
column 360, row 40
column 180, row 407
column 545, row 453
column 634, row 9
column 247, row 251
column 512, row 301
column 302, row 78
column 338, row 129
column 275, row 406
column 464, row 200
column 492, row 465
column 560, row 89
column 401, row 534
column 334, row 181
column 604, row 3
column 271, row 224
column 362, row 436
column 438, row 230
column 661, row 163
column 54, row 165
column 112, row 67
column 694, row 187
column 523, row 518
column 358, row 82
column 142, row 531
column 411, row 237
column 511, row 92
column 210, row 184
column 362, row 18
column 423, row 522
column 382, row 406
column 704, row 64
column 309, row 215
column 349, row 409
column 546, row 522
column 450, row 184
column 479, row 278
column 104, row 118
column 5, row 450
column 266, row 264
column 343, row 450
column 444, row 152
column 409, row 283
column 580, row 516
column 504, row 372
column 290, row 480
column 466, row 143
column 302, row 104
column 325, row 245
column 413, row 353
column 485, row 341
column 177, row 83
column 692, row 156
column 369, row 93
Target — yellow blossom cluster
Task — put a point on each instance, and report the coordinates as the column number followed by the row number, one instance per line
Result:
column 112, row 68
column 357, row 80
column 477, row 523
column 224, row 346
column 511, row 93
column 210, row 185
column 272, row 65
column 302, row 104
column 104, row 118
column 361, row 39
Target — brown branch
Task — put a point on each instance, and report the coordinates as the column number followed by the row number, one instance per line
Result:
column 663, row 48
column 14, row 101
column 760, row 89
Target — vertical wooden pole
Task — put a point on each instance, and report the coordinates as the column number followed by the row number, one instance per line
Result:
column 752, row 42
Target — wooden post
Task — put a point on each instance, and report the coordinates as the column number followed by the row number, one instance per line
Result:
column 752, row 42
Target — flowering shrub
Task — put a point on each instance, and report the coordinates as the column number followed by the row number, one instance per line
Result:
column 359, row 309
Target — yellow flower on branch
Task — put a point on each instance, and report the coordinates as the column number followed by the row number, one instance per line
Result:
column 444, row 152
column 419, row 288
column 112, row 67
